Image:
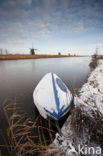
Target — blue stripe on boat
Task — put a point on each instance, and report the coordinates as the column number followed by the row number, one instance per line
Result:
column 54, row 115
column 55, row 94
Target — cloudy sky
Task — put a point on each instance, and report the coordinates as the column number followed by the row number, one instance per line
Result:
column 68, row 26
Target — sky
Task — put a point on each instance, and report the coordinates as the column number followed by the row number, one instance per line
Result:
column 51, row 26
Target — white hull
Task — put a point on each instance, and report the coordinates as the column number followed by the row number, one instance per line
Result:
column 51, row 97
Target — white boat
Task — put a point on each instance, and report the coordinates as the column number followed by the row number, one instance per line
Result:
column 52, row 97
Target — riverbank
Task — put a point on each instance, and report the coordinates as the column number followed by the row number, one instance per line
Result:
column 21, row 56
column 82, row 133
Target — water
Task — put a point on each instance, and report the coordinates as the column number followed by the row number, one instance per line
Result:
column 18, row 78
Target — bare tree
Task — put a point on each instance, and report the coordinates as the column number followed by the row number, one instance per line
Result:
column 94, row 60
column 1, row 51
column 95, row 55
column 97, row 50
column 6, row 51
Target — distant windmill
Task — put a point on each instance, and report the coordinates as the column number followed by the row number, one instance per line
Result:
column 32, row 50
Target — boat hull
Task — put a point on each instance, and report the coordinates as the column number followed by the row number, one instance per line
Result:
column 52, row 97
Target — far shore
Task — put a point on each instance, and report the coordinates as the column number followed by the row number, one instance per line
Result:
column 28, row 56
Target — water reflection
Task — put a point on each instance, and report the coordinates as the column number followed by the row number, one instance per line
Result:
column 19, row 78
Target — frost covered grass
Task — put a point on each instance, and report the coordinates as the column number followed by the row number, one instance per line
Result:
column 84, row 127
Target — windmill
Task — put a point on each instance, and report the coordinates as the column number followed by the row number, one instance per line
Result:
column 32, row 50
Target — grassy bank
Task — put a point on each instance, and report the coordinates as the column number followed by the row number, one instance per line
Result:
column 21, row 56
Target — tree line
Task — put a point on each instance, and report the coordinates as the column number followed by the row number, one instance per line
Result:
column 3, row 51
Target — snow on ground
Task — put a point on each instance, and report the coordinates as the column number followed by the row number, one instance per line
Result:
column 91, row 94
column 89, row 100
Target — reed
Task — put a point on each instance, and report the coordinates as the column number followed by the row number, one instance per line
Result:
column 21, row 139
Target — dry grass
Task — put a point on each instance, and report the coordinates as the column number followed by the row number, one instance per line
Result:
column 28, row 56
column 100, row 57
column 21, row 56
column 26, row 137
column 22, row 139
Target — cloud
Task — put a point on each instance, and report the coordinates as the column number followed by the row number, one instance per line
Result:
column 12, row 3
column 9, row 3
column 24, row 3
column 44, row 19
column 17, row 31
